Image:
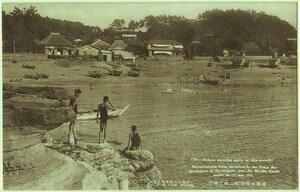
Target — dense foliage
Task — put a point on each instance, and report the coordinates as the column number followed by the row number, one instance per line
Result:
column 216, row 30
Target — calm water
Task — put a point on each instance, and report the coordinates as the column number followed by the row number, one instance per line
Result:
column 242, row 122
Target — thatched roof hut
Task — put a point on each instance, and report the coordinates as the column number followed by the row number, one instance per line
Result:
column 55, row 39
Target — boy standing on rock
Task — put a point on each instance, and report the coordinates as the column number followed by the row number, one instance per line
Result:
column 102, row 110
column 73, row 104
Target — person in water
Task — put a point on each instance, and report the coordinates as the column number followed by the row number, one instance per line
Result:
column 73, row 105
column 103, row 111
column 135, row 142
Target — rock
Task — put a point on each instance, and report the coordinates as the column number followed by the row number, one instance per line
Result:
column 139, row 155
column 33, row 111
column 141, row 166
column 45, row 138
column 16, row 139
column 23, row 158
column 153, row 174
column 101, row 155
column 63, row 172
column 45, row 91
column 8, row 87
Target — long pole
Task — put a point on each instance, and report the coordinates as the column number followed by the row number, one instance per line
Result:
column 14, row 46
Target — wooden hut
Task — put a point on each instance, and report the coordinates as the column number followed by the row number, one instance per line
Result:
column 57, row 47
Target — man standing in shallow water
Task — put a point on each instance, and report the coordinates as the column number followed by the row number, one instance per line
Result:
column 73, row 104
column 103, row 111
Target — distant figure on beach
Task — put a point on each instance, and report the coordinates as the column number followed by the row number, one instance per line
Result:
column 91, row 86
column 135, row 142
column 73, row 104
column 102, row 110
column 179, row 80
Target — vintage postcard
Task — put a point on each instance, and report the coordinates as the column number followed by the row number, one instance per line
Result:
column 149, row 95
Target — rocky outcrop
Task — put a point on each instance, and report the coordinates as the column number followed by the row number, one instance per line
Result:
column 42, row 91
column 32, row 160
column 31, row 110
column 48, row 169
column 27, row 163
column 139, row 169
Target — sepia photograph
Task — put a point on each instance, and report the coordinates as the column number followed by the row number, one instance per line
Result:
column 149, row 95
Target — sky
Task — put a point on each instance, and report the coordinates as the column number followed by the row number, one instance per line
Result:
column 103, row 13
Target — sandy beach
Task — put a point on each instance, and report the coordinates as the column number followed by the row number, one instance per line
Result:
column 252, row 115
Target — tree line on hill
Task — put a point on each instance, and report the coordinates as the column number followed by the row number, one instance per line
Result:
column 215, row 30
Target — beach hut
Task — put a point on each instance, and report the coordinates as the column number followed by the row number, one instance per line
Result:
column 57, row 47
column 105, row 55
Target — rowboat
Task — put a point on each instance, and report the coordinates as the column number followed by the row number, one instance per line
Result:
column 28, row 66
column 92, row 115
column 133, row 73
column 95, row 74
column 209, row 81
column 114, row 72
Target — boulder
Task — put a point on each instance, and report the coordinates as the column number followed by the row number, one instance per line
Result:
column 48, row 92
column 139, row 155
column 34, row 111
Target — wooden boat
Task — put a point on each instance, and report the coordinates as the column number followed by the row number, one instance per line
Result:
column 225, row 76
column 133, row 73
column 95, row 74
column 114, row 72
column 31, row 77
column 42, row 76
column 209, row 81
column 28, row 66
column 92, row 116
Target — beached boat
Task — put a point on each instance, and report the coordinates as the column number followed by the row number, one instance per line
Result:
column 35, row 77
column 114, row 72
column 92, row 116
column 133, row 73
column 95, row 74
column 209, row 81
column 42, row 75
column 28, row 66
column 225, row 76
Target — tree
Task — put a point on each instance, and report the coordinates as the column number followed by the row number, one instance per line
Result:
column 133, row 25
column 118, row 24
column 251, row 49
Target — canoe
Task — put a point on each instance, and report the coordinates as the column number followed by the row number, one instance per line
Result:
column 211, row 82
column 92, row 115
